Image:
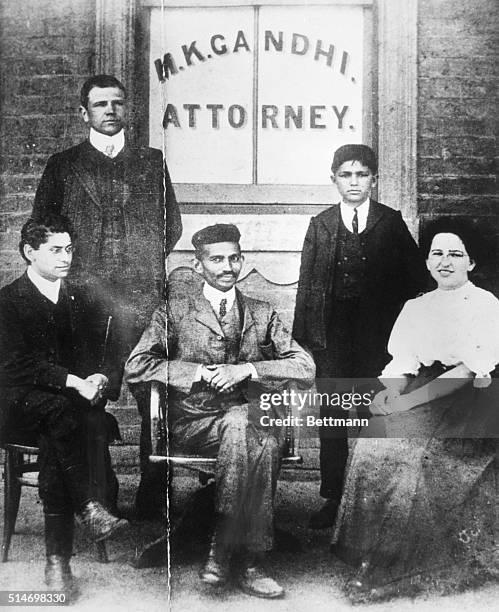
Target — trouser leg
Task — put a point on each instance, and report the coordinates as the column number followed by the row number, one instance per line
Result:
column 56, row 420
column 263, row 456
column 333, row 452
column 59, row 534
column 53, row 487
column 335, row 364
column 103, row 484
column 245, row 475
column 333, row 456
column 356, row 351
column 232, row 468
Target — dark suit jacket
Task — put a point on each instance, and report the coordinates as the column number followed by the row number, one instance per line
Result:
column 193, row 336
column 395, row 272
column 72, row 185
column 28, row 357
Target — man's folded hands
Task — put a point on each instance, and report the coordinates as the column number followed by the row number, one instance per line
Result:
column 91, row 388
column 225, row 377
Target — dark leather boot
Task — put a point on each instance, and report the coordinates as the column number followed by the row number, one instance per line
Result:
column 59, row 548
column 58, row 577
column 99, row 522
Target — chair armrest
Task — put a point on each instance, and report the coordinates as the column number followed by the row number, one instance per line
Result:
column 155, row 401
column 159, row 429
column 292, row 434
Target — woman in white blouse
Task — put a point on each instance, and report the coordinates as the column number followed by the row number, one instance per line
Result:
column 419, row 504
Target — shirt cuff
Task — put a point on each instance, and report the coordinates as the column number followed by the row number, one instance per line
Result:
column 197, row 376
column 400, row 368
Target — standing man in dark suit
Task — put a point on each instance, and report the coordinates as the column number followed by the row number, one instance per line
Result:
column 54, row 377
column 359, row 265
column 123, row 207
column 120, row 200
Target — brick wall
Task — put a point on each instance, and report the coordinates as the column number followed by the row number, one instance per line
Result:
column 457, row 112
column 47, row 49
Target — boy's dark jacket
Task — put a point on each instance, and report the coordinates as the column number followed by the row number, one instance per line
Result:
column 395, row 272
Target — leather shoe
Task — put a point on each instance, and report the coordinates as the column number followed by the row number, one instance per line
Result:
column 58, row 576
column 99, row 522
column 359, row 588
column 216, row 569
column 326, row 516
column 254, row 581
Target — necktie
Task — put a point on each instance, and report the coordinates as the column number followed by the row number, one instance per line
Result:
column 355, row 222
column 223, row 308
column 110, row 150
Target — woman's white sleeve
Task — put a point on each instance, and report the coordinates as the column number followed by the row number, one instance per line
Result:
column 481, row 347
column 402, row 344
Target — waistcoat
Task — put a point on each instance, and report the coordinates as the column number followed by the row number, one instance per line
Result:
column 231, row 326
column 350, row 268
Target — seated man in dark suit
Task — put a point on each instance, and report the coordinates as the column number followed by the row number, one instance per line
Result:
column 215, row 341
column 54, row 379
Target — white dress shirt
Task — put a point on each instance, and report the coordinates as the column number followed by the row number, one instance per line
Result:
column 50, row 289
column 215, row 296
column 101, row 142
column 347, row 213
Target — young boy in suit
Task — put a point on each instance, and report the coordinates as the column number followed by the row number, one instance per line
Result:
column 359, row 265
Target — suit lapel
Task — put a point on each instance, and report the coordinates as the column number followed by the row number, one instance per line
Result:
column 205, row 315
column 81, row 169
column 67, row 294
column 36, row 312
column 330, row 222
column 247, row 315
column 33, row 301
column 374, row 215
column 331, row 219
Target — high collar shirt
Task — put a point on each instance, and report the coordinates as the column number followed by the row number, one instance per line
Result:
column 101, row 142
column 347, row 213
column 455, row 326
column 50, row 289
column 214, row 296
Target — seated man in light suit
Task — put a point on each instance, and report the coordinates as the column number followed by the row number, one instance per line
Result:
column 216, row 340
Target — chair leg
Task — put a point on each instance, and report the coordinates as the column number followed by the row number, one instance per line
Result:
column 102, row 552
column 12, row 495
